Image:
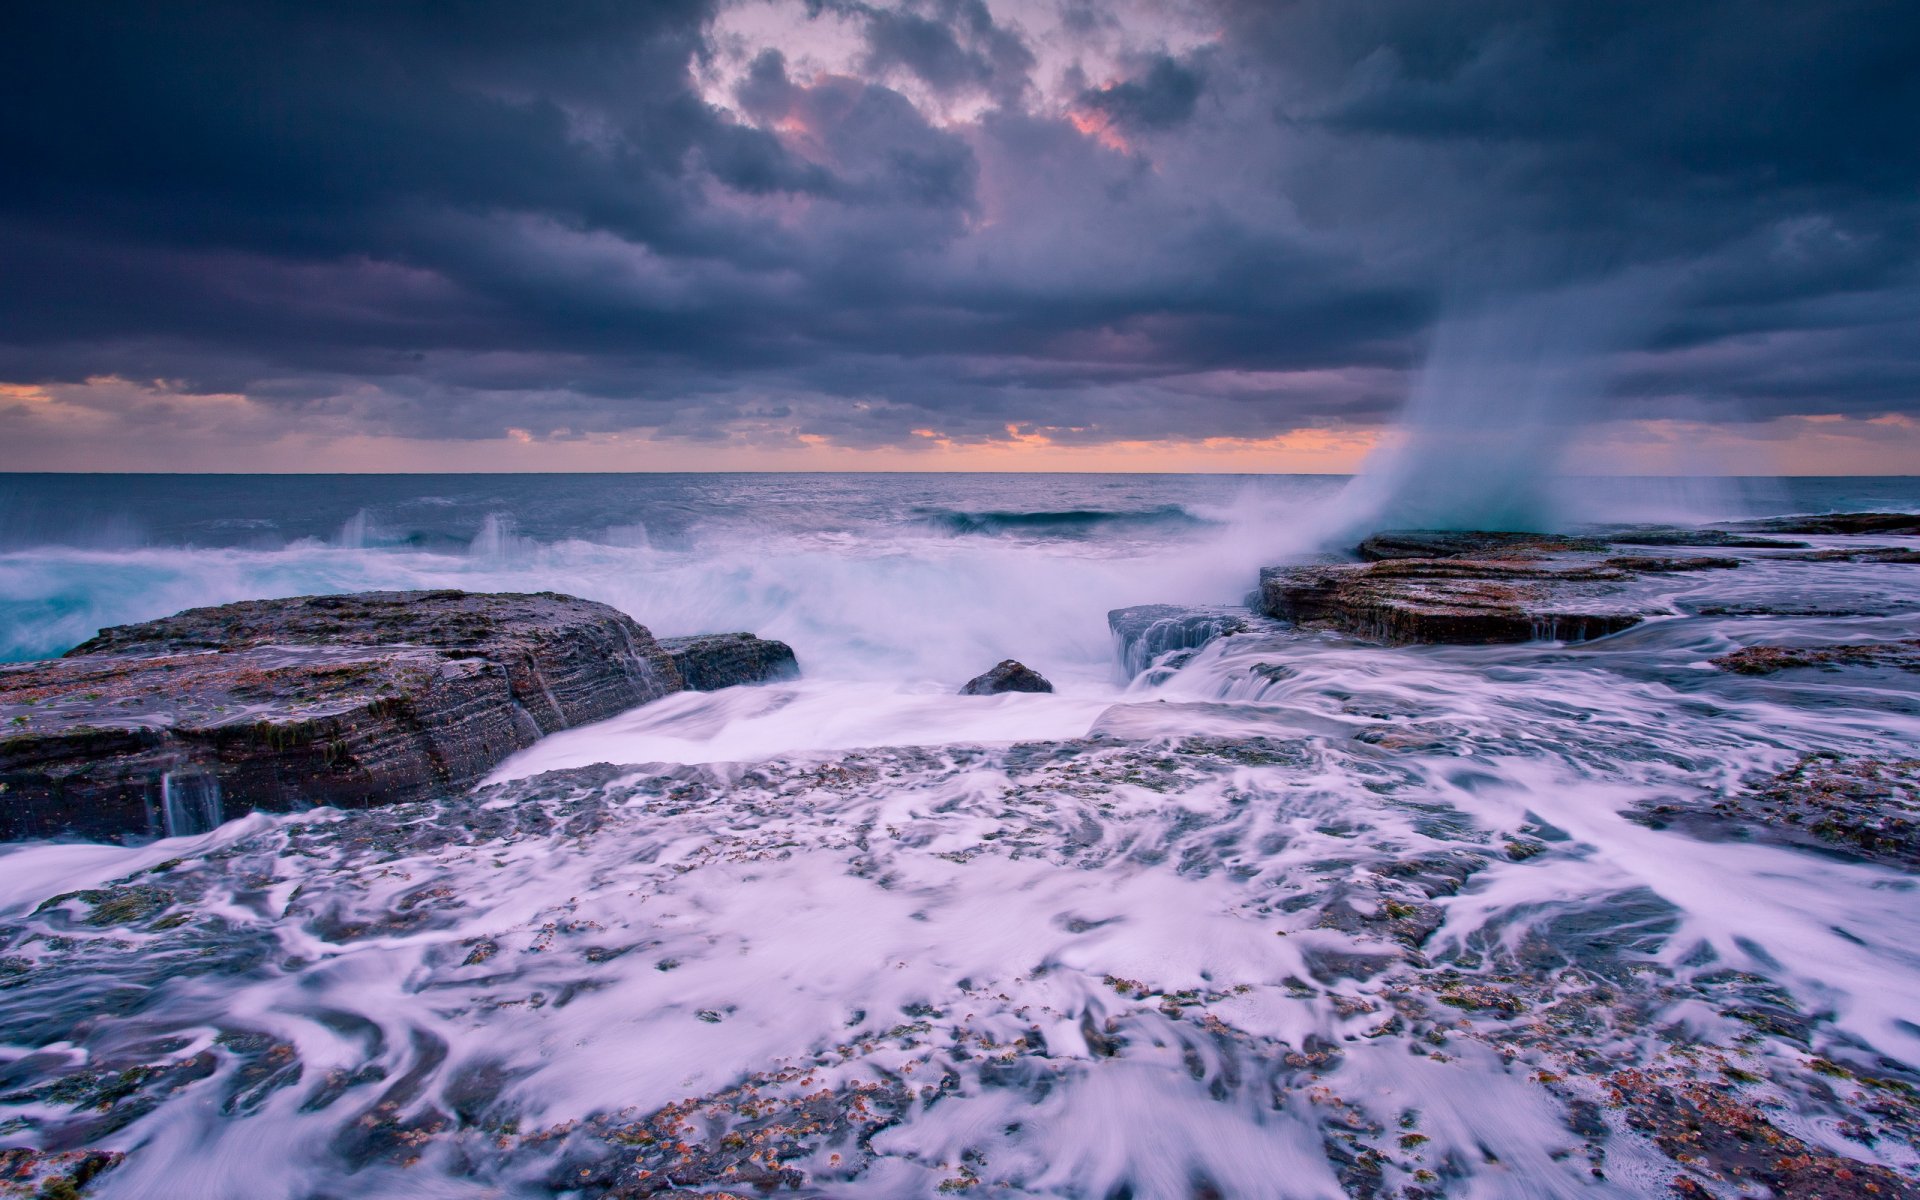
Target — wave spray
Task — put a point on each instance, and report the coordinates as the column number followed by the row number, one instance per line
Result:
column 1506, row 386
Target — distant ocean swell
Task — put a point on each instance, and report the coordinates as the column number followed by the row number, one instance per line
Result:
column 1063, row 523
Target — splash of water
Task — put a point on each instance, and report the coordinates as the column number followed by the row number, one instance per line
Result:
column 1505, row 388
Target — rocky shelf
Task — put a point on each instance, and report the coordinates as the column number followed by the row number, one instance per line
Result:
column 1477, row 587
column 1454, row 600
column 172, row 726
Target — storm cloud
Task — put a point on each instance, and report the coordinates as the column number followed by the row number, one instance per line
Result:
column 869, row 224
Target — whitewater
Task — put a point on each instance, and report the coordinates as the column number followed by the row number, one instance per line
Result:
column 1286, row 915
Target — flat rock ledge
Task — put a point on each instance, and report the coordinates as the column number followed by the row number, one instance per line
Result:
column 1474, row 587
column 1008, row 676
column 1466, row 601
column 711, row 661
column 173, row 726
column 1842, row 524
column 1767, row 660
column 1450, row 543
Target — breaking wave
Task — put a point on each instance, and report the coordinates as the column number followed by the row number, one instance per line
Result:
column 1066, row 523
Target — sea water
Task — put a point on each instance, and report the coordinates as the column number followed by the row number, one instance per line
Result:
column 858, row 935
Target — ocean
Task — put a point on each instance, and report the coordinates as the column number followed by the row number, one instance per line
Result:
column 1292, row 915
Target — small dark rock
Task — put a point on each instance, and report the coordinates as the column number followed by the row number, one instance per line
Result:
column 1009, row 676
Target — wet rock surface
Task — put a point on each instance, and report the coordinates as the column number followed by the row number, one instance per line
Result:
column 1649, row 565
column 1455, row 600
column 932, row 1079
column 1766, row 660
column 1865, row 807
column 1863, row 554
column 60, row 1175
column 709, row 662
column 1479, row 587
column 1007, row 676
column 1444, row 543
column 174, row 725
column 1700, row 537
column 1843, row 524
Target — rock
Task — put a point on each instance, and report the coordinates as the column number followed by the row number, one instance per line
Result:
column 1146, row 632
column 1881, row 523
column 1765, row 660
column 1716, row 1132
column 1865, row 807
column 1700, row 537
column 711, row 661
column 1009, row 676
column 1872, row 554
column 1761, row 609
column 1644, row 565
column 1467, row 601
column 172, row 726
column 53, row 1175
column 1446, row 543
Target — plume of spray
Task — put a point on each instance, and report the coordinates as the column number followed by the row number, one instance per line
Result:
column 1506, row 386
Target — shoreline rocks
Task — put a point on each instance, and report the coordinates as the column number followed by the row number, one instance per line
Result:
column 1701, row 537
column 1008, row 676
column 1843, row 524
column 1453, row 600
column 1852, row 554
column 1477, row 587
column 1861, row 807
column 1646, row 565
column 172, row 726
column 1449, row 543
column 1766, row 660
column 710, row 661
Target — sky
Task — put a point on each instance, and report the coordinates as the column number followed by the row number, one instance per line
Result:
column 953, row 234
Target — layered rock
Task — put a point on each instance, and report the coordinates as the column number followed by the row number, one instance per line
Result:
column 1450, row 543
column 1663, row 536
column 1765, row 660
column 1647, row 565
column 1454, row 600
column 171, row 726
column 1867, row 554
column 1008, row 676
column 1843, row 524
column 709, row 662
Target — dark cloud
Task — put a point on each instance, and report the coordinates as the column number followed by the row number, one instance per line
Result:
column 1160, row 97
column 451, row 220
column 953, row 46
